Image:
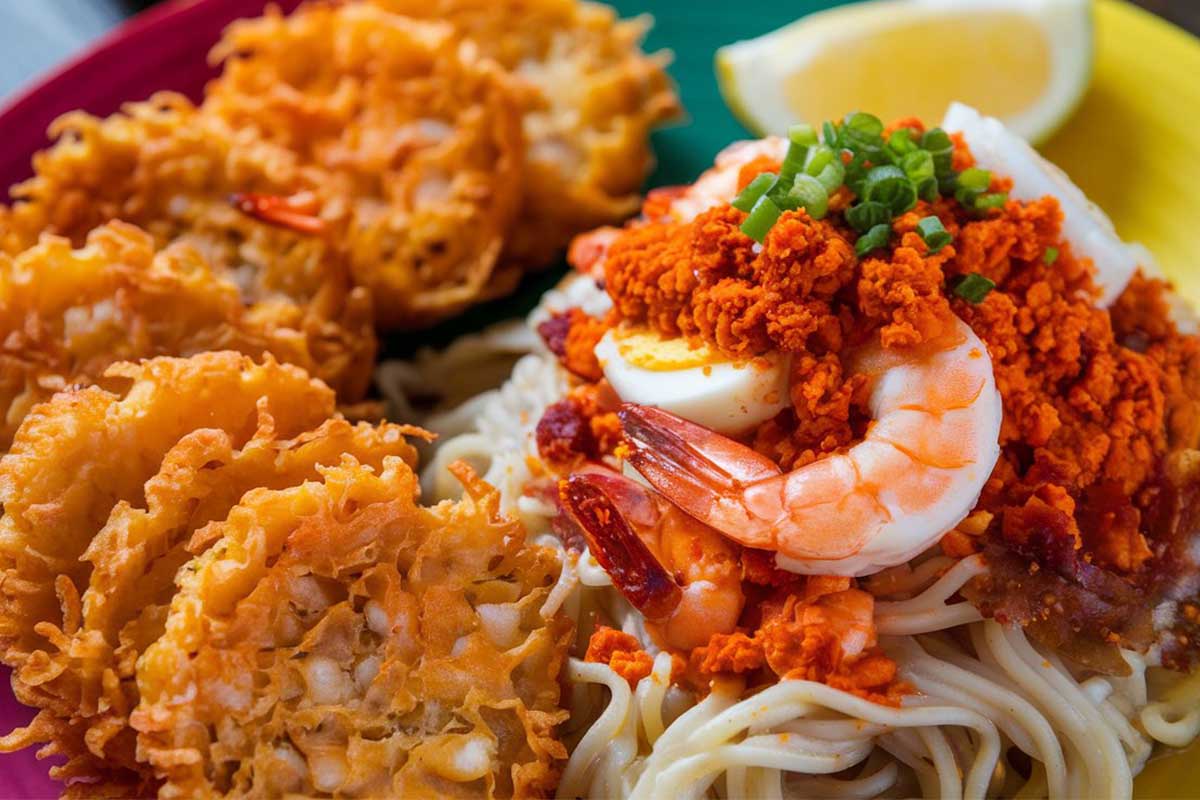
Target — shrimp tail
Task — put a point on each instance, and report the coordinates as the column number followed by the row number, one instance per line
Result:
column 600, row 504
column 701, row 471
column 296, row 212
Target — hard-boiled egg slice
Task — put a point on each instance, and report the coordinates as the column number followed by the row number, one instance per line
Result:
column 695, row 383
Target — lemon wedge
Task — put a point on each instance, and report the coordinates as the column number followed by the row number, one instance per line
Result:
column 1026, row 62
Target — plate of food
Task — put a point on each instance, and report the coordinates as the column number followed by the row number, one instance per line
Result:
column 848, row 454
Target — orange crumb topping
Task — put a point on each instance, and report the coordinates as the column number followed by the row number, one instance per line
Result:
column 582, row 337
column 823, row 633
column 621, row 652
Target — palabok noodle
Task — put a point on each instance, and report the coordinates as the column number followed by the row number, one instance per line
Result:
column 953, row 553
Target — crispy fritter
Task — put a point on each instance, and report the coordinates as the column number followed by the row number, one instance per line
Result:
column 339, row 639
column 67, row 315
column 102, row 491
column 164, row 166
column 410, row 144
column 595, row 99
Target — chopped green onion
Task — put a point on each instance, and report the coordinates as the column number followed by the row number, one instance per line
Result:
column 754, row 190
column 973, row 288
column 829, row 133
column 764, row 215
column 936, row 140
column 927, row 190
column 865, row 125
column 856, row 174
column 793, row 162
column 918, row 166
column 933, row 233
column 810, row 194
column 990, row 200
column 889, row 185
column 818, row 158
column 864, row 216
column 975, row 178
column 862, row 134
column 873, row 239
column 939, row 144
column 832, row 176
column 970, row 187
column 901, row 143
column 1051, row 255
column 803, row 134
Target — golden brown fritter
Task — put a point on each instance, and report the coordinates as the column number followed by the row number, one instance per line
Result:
column 337, row 639
column 101, row 492
column 594, row 99
column 67, row 315
column 169, row 169
column 410, row 145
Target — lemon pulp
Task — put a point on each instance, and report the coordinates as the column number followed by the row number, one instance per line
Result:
column 914, row 69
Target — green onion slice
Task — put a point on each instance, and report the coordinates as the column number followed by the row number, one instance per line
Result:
column 873, row 239
column 754, row 190
column 901, row 143
column 1051, row 255
column 863, row 135
column 829, row 133
column 973, row 288
column 933, row 233
column 803, row 134
column 889, row 185
column 793, row 162
column 818, row 158
column 990, row 200
column 918, row 166
column 939, row 144
column 864, row 216
column 810, row 194
column 927, row 190
column 832, row 176
column 764, row 215
column 974, row 178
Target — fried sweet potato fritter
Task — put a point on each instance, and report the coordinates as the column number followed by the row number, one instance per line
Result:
column 101, row 493
column 593, row 98
column 169, row 169
column 339, row 639
column 410, row 144
column 67, row 315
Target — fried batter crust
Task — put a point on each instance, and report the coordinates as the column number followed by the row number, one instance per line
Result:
column 168, row 168
column 411, row 144
column 101, row 490
column 67, row 315
column 592, row 99
column 337, row 638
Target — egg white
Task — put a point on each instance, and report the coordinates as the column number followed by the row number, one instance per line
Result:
column 728, row 397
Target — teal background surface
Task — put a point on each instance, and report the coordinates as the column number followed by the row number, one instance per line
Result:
column 693, row 31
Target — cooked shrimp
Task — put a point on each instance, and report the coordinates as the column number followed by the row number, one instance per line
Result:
column 915, row 475
column 716, row 186
column 683, row 576
column 719, row 184
column 1085, row 226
